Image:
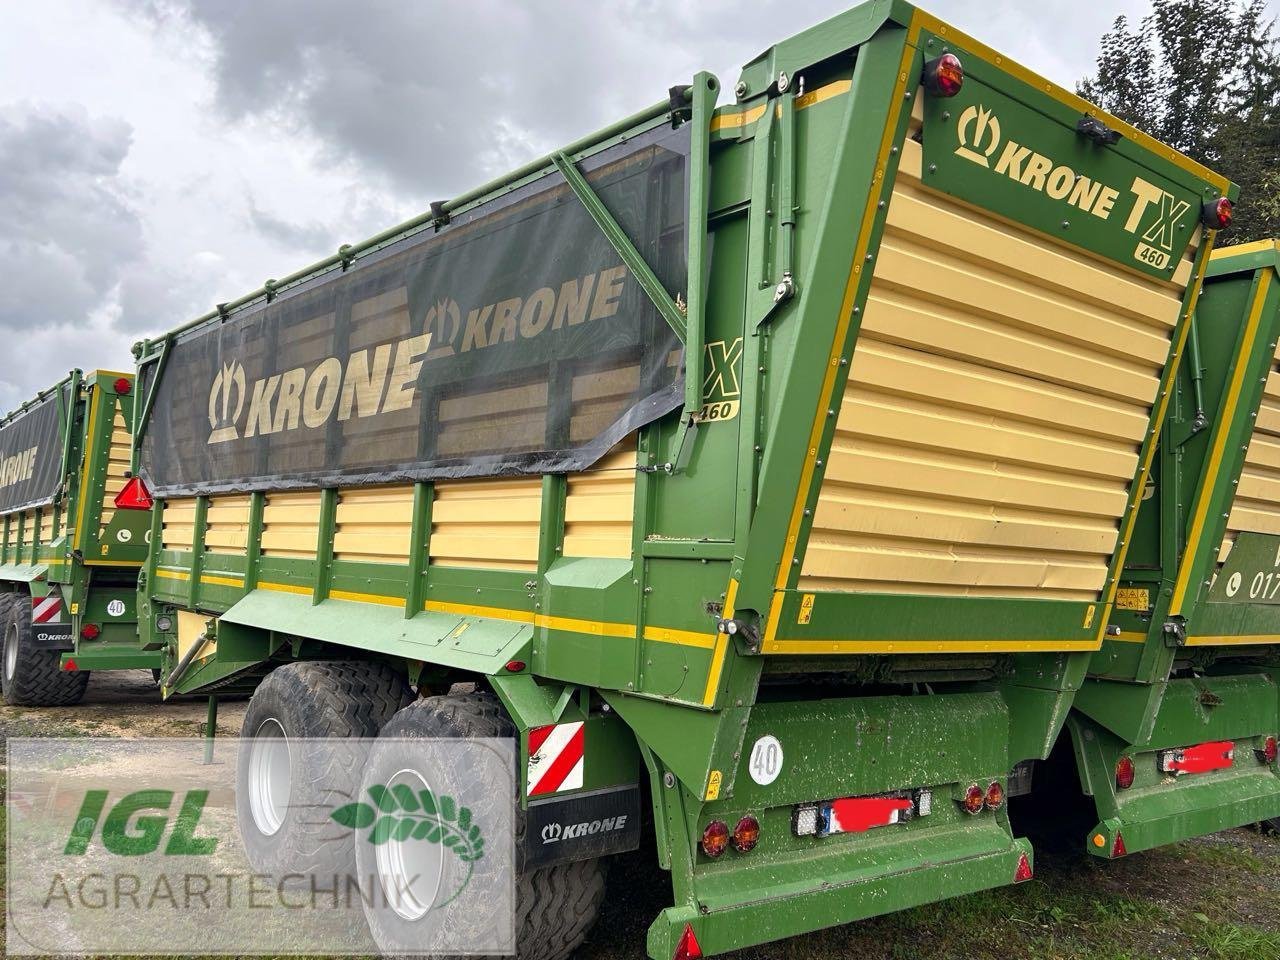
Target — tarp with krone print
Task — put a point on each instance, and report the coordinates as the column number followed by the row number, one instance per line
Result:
column 512, row 340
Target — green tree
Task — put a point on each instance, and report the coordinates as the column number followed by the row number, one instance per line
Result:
column 1203, row 77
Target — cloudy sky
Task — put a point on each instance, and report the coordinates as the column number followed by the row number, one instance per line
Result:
column 160, row 156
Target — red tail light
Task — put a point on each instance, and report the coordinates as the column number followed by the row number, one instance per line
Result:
column 687, row 948
column 134, row 496
column 1124, row 773
column 515, row 666
column 994, row 798
column 123, row 385
column 1217, row 214
column 746, row 834
column 1268, row 752
column 715, row 839
column 943, row 76
column 1023, row 873
column 975, row 798
column 90, row 631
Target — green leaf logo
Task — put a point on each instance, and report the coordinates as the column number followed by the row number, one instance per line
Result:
column 400, row 814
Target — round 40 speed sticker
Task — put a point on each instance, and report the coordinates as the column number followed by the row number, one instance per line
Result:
column 766, row 760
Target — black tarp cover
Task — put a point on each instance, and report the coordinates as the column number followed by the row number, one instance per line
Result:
column 31, row 454
column 513, row 340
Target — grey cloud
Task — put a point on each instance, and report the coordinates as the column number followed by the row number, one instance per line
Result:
column 67, row 227
column 440, row 97
column 310, row 238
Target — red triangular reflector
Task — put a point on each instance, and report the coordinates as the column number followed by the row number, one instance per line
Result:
column 134, row 496
column 1023, row 873
column 70, row 666
column 1118, row 848
column 687, row 948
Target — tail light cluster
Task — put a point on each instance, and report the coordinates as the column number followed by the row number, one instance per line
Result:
column 1217, row 214
column 716, row 838
column 976, row 799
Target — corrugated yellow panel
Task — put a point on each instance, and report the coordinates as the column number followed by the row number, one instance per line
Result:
column 179, row 524
column 373, row 524
column 291, row 524
column 46, row 524
column 117, row 467
column 227, row 524
column 998, row 397
column 486, row 523
column 600, row 506
column 1256, row 508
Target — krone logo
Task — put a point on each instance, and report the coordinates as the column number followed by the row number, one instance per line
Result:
column 979, row 133
column 551, row 832
column 443, row 321
column 226, row 400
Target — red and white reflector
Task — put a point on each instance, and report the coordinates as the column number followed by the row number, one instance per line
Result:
column 134, row 495
column 1202, row 758
column 557, row 758
column 46, row 609
column 687, row 948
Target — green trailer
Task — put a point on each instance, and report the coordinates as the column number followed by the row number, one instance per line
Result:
column 770, row 464
column 1175, row 730
column 69, row 559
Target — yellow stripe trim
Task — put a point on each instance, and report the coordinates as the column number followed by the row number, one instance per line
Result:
column 1244, row 249
column 720, row 649
column 837, row 344
column 366, row 598
column 1219, row 446
column 727, row 120
column 285, row 588
column 922, row 20
column 686, row 638
column 1126, row 637
column 1240, row 641
column 84, row 480
column 221, row 581
column 929, row 646
column 173, row 574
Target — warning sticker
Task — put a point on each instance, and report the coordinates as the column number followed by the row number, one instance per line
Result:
column 1133, row 598
column 806, row 608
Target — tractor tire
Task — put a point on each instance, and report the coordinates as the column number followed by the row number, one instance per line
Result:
column 555, row 907
column 29, row 676
column 1271, row 826
column 288, row 782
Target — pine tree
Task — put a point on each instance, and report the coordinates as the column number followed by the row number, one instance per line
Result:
column 1205, row 78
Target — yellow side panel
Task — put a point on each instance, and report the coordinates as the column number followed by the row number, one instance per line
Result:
column 191, row 626
column 1256, row 508
column 117, row 466
column 486, row 523
column 179, row 524
column 373, row 524
column 46, row 524
column 998, row 396
column 599, row 506
column 291, row 524
column 227, row 524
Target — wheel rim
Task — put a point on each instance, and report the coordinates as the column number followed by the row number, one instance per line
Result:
column 270, row 779
column 409, row 870
column 11, row 653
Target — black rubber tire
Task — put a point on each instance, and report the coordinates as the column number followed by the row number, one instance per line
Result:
column 555, row 906
column 1271, row 826
column 37, row 679
column 311, row 701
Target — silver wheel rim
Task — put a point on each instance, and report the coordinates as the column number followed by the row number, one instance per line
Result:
column 409, row 870
column 11, row 653
column 270, row 779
